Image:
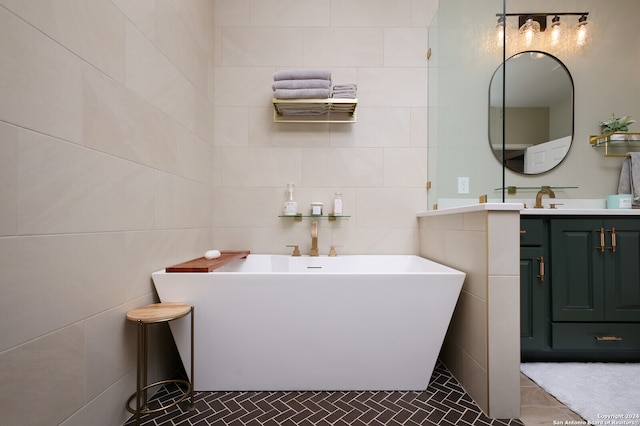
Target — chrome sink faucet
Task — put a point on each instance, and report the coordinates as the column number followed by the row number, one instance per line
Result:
column 544, row 190
column 314, row 238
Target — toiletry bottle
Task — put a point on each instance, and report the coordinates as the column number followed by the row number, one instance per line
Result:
column 290, row 206
column 337, row 204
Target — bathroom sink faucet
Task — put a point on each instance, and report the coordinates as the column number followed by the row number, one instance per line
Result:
column 314, row 238
column 544, row 190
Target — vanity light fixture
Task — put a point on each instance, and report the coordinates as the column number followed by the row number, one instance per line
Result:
column 534, row 33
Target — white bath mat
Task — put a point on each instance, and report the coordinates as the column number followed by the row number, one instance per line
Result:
column 602, row 393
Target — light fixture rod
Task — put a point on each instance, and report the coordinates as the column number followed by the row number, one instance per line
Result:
column 545, row 14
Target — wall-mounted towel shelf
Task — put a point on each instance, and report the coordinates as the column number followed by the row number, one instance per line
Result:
column 616, row 144
column 330, row 110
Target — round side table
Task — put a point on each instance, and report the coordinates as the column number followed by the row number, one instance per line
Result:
column 155, row 314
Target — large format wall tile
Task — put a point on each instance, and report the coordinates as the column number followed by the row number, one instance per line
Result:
column 122, row 124
column 40, row 81
column 93, row 30
column 66, row 188
column 52, row 281
column 48, row 375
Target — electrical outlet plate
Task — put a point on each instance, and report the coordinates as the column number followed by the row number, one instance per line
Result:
column 463, row 185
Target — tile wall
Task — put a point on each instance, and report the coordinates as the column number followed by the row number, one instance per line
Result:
column 106, row 174
column 137, row 134
column 379, row 163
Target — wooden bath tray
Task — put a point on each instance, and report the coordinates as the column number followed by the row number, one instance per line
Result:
column 202, row 264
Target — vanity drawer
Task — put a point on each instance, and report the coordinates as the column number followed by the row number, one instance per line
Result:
column 599, row 335
column 531, row 232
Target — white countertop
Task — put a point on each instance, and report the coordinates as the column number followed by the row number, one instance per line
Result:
column 581, row 212
column 561, row 210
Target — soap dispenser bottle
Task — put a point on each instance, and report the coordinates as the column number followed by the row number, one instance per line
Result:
column 337, row 204
column 290, row 206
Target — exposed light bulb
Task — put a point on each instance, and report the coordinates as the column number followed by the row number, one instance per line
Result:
column 530, row 31
column 582, row 35
column 556, row 32
column 500, row 31
column 495, row 40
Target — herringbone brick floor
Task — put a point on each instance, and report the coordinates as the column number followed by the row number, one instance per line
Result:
column 444, row 402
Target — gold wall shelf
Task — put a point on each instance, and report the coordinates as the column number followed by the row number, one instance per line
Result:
column 330, row 110
column 616, row 144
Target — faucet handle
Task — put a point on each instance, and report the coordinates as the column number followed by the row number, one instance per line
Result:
column 553, row 205
column 296, row 250
column 332, row 251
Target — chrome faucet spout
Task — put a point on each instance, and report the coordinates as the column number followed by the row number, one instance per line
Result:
column 314, row 238
column 544, row 190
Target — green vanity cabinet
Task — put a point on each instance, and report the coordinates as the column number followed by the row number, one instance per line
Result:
column 590, row 296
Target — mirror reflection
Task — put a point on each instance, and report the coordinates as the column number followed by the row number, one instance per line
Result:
column 538, row 112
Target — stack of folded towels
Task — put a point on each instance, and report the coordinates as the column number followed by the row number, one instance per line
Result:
column 309, row 84
column 345, row 91
column 302, row 84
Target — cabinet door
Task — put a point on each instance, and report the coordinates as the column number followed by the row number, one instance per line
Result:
column 532, row 298
column 622, row 270
column 577, row 270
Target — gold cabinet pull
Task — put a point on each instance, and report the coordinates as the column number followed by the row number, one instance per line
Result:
column 602, row 240
column 523, row 232
column 613, row 239
column 608, row 338
column 541, row 276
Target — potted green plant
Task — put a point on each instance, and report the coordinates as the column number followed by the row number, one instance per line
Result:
column 616, row 124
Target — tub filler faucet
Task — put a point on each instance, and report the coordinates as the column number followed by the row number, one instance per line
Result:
column 314, row 238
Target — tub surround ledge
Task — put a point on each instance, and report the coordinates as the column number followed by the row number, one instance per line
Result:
column 473, row 208
column 482, row 346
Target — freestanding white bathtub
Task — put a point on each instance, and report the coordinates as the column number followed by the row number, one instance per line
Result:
column 276, row 322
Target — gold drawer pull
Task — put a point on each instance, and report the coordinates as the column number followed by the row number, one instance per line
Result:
column 523, row 232
column 608, row 338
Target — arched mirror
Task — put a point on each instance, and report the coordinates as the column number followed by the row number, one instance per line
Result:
column 538, row 112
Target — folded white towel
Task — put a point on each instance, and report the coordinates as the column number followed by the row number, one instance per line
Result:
column 302, row 75
column 302, row 93
column 302, row 84
column 630, row 177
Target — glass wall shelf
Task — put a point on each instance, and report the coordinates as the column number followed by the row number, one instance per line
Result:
column 512, row 190
column 616, row 144
column 299, row 217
